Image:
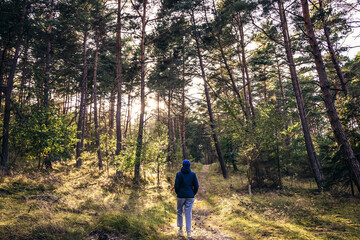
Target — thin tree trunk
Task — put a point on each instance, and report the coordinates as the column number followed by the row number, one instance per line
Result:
column 10, row 84
column 81, row 122
column 244, row 63
column 158, row 107
column 287, row 139
column 158, row 125
column 128, row 118
column 118, row 79
column 334, row 59
column 112, row 111
column 183, row 133
column 173, row 136
column 23, row 77
column 47, row 62
column 97, row 136
column 313, row 158
column 212, row 122
column 281, row 85
column 169, row 155
column 265, row 92
column 243, row 80
column 47, row 160
column 3, row 70
column 139, row 140
column 341, row 138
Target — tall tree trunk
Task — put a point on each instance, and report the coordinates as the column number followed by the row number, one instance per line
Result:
column 313, row 158
column 173, row 136
column 244, row 63
column 334, row 59
column 47, row 62
column 158, row 125
column 23, row 76
column 128, row 118
column 3, row 70
column 139, row 140
column 183, row 139
column 81, row 121
column 341, row 138
column 212, row 122
column 112, row 111
column 265, row 92
column 97, row 136
column 47, row 160
column 281, row 85
column 10, row 84
column 118, row 79
column 287, row 139
column 169, row 155
column 243, row 79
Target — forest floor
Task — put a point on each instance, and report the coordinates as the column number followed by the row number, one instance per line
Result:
column 85, row 203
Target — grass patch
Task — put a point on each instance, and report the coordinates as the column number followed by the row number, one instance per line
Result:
column 71, row 203
column 290, row 213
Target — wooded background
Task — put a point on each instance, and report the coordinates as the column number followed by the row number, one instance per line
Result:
column 280, row 98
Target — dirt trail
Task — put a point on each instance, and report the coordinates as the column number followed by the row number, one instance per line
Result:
column 202, row 213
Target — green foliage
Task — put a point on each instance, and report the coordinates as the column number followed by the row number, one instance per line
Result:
column 153, row 152
column 155, row 144
column 43, row 134
column 125, row 161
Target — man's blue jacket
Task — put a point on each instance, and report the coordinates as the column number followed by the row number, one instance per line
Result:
column 186, row 183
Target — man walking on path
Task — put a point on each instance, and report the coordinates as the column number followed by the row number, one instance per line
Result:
column 186, row 187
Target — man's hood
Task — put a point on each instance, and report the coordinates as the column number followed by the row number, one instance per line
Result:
column 185, row 169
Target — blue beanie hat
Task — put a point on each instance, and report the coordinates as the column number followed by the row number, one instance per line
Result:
column 186, row 162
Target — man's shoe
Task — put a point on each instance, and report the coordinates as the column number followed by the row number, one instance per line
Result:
column 180, row 232
column 189, row 234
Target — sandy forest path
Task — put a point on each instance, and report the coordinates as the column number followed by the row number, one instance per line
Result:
column 202, row 226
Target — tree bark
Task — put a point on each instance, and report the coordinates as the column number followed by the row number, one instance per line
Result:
column 341, row 138
column 47, row 62
column 118, row 79
column 139, row 140
column 183, row 110
column 23, row 76
column 169, row 155
column 313, row 158
column 81, row 121
column 10, row 84
column 243, row 75
column 128, row 117
column 281, row 85
column 173, row 136
column 112, row 111
column 244, row 63
column 212, row 122
column 47, row 160
column 97, row 135
column 3, row 69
